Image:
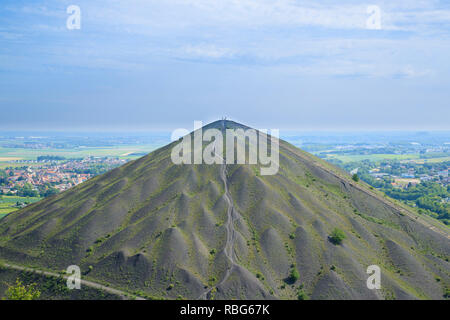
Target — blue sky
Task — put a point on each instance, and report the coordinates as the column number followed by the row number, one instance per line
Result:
column 303, row 65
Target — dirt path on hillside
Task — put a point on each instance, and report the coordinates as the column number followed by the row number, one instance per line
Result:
column 121, row 294
column 231, row 235
column 231, row 232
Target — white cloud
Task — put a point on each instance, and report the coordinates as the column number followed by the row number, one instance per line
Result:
column 396, row 15
column 313, row 38
column 207, row 51
column 350, row 68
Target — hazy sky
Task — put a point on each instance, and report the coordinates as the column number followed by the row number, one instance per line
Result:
column 160, row 64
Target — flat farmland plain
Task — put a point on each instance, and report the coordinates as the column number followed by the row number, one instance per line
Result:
column 124, row 152
column 379, row 157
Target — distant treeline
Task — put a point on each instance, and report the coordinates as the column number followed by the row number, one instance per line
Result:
column 29, row 191
column 94, row 169
column 50, row 158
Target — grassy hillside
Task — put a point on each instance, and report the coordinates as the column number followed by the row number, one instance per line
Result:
column 213, row 231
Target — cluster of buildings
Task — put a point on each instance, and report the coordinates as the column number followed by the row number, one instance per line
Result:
column 410, row 176
column 61, row 175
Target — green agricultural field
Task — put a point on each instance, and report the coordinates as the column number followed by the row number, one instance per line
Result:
column 373, row 157
column 7, row 164
column 431, row 160
column 8, row 203
column 124, row 152
column 378, row 157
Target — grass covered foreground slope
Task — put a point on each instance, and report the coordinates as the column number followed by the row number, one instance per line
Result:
column 50, row 288
column 225, row 231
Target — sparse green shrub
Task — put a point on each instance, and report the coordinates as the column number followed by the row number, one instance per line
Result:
column 446, row 293
column 212, row 280
column 292, row 236
column 90, row 268
column 293, row 275
column 355, row 177
column 259, row 276
column 212, row 252
column 22, row 292
column 301, row 295
column 337, row 236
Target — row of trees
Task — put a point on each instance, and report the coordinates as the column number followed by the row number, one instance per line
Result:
column 28, row 191
column 94, row 169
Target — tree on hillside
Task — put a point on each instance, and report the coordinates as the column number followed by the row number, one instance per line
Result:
column 337, row 236
column 22, row 292
column 355, row 177
column 294, row 275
